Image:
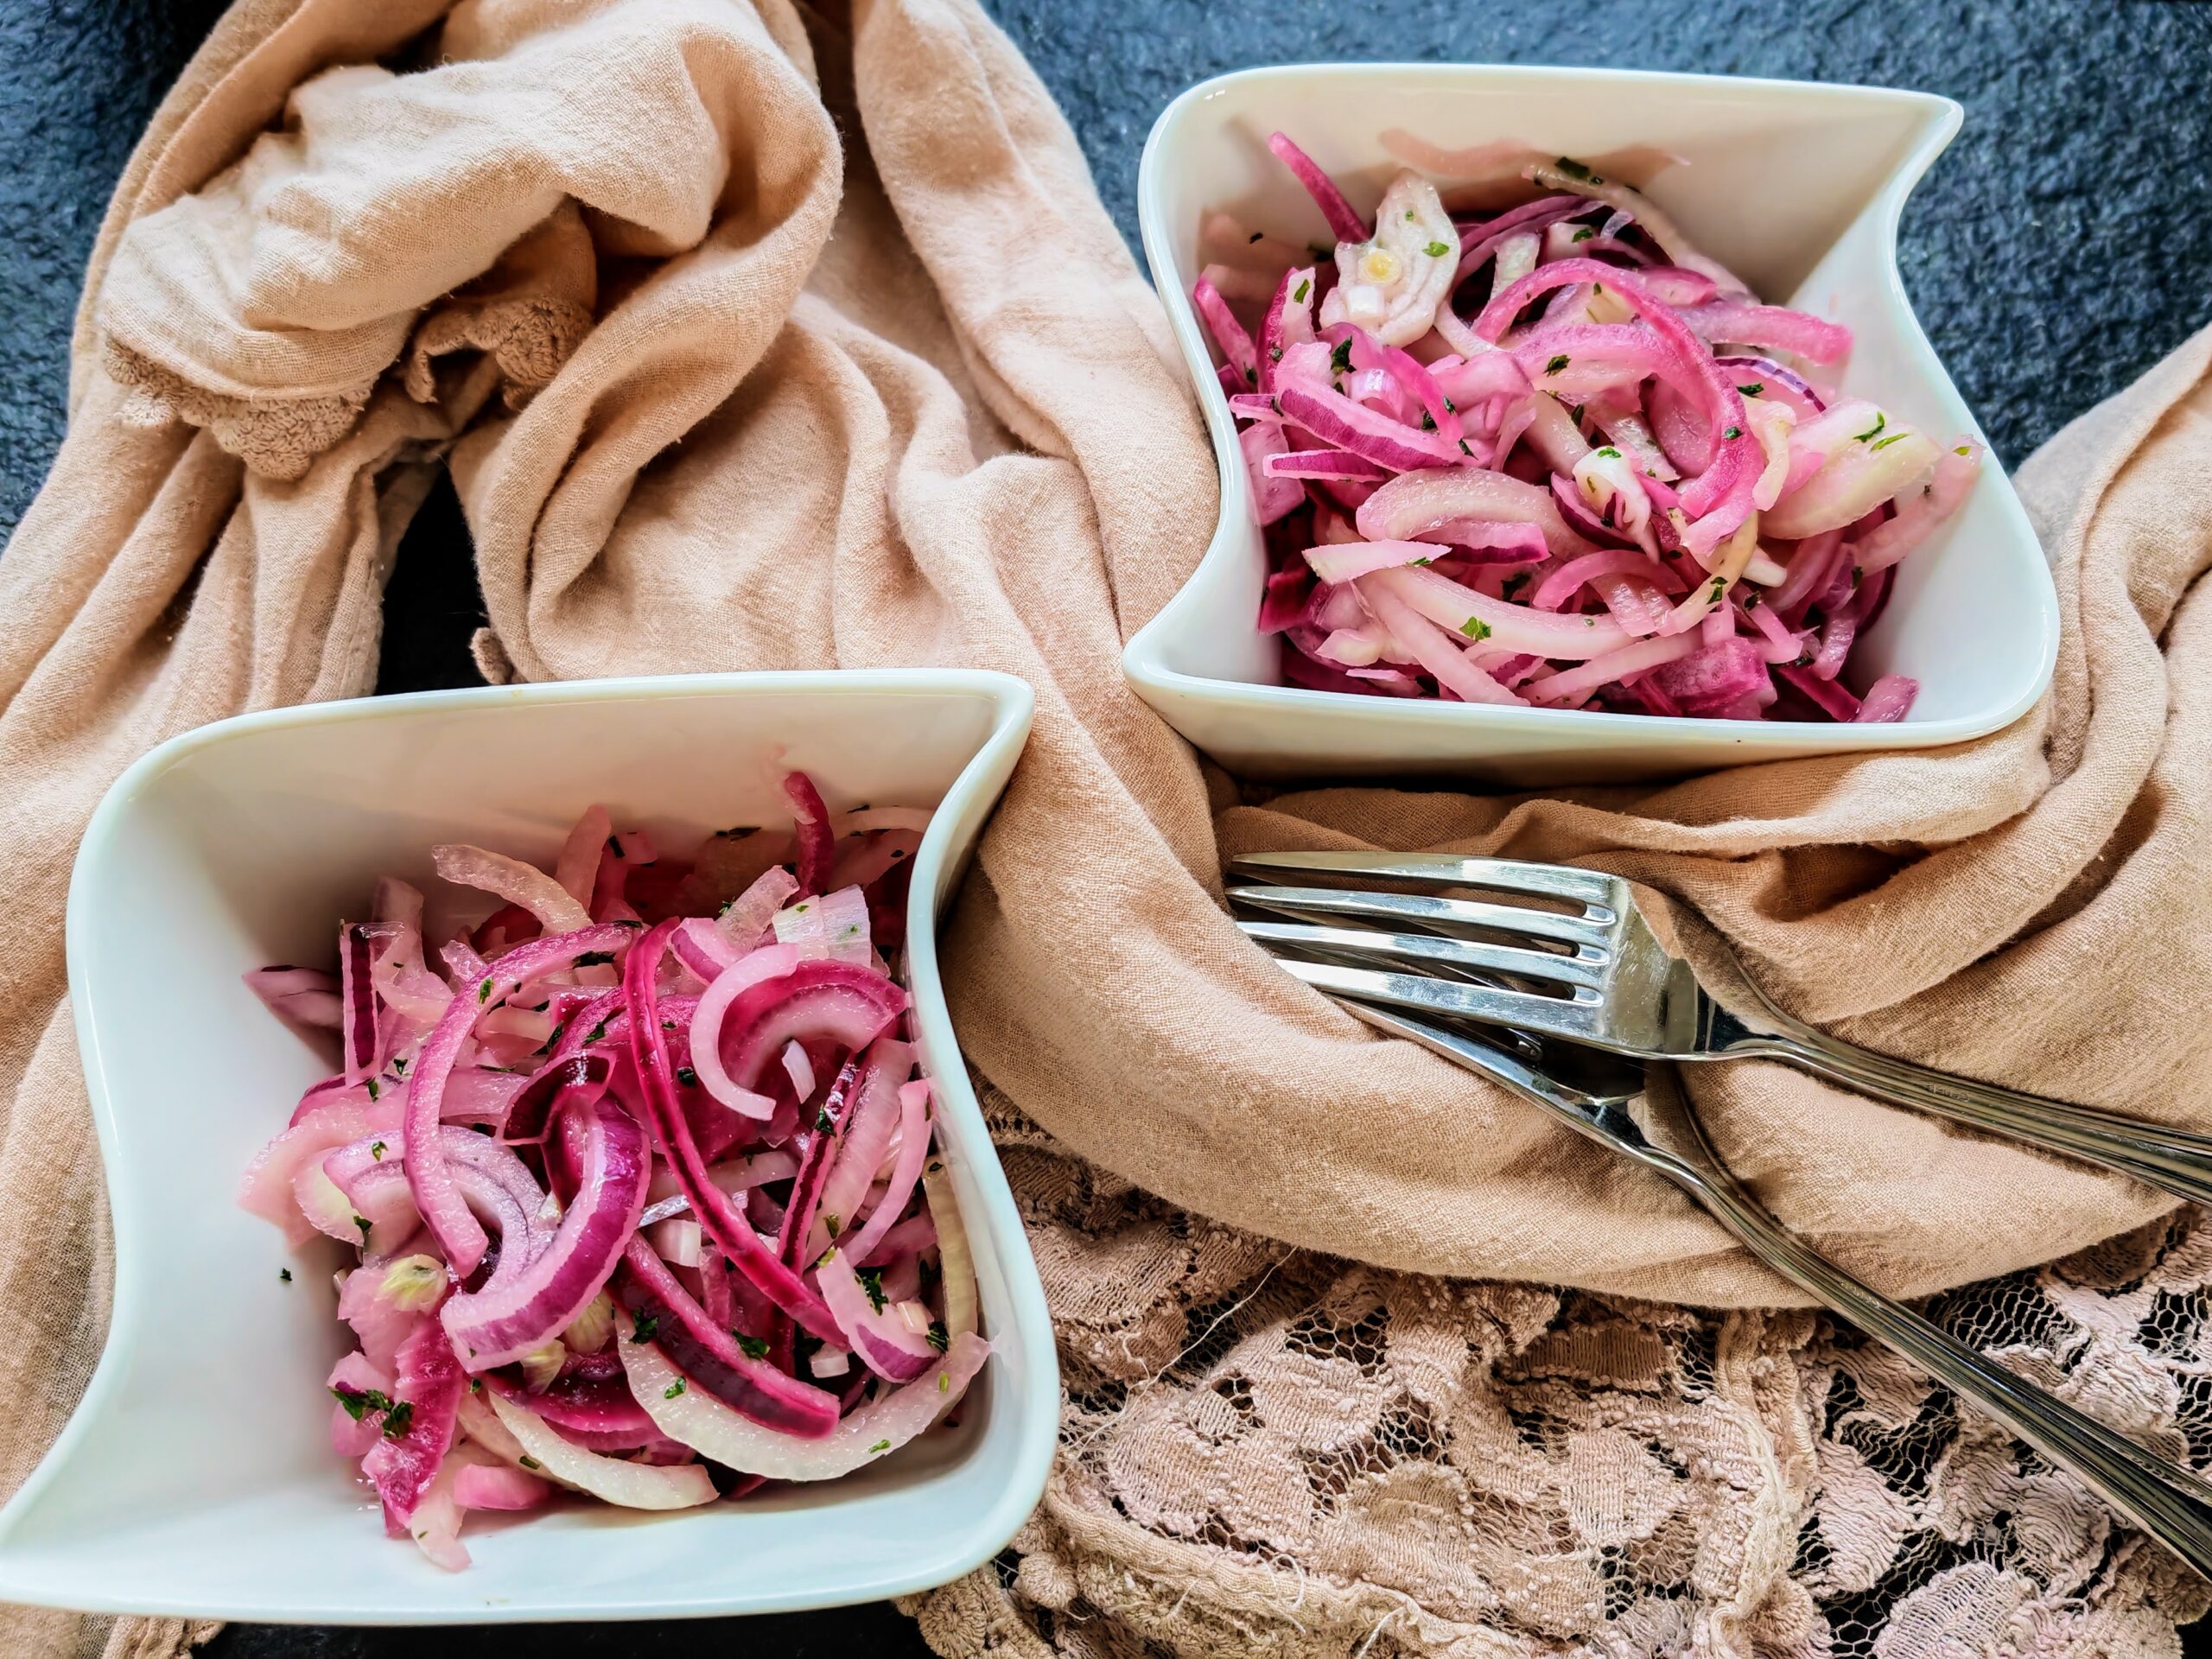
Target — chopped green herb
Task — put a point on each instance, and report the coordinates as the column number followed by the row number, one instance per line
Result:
column 284, row 1274
column 596, row 1033
column 1753, row 390
column 1275, row 355
column 1463, row 448
column 1556, row 364
column 396, row 1420
column 1305, row 287
column 1609, row 454
column 935, row 1168
column 1574, row 169
column 1963, row 449
column 1750, row 598
column 668, row 1025
column 1435, row 250
column 376, row 1151
column 357, row 1400
column 528, row 1462
column 823, row 1123
column 1424, row 560
column 751, row 1347
column 484, row 992
column 687, row 1077
column 476, row 1385
column 614, row 845
column 1252, row 374
column 1720, row 587
column 1732, row 432
column 1894, row 437
column 879, row 1447
column 372, row 1088
column 1340, row 359
column 399, row 1066
column 1427, row 421
column 647, row 1323
column 594, row 959
column 1584, row 235
column 1255, row 236
column 938, row 1339
column 1475, row 628
column 830, row 1223
column 673, row 1389
column 872, row 1281
column 1410, row 212
column 363, row 1226
column 1856, row 576
column 1873, row 431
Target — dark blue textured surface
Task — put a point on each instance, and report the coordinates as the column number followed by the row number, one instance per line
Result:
column 2061, row 246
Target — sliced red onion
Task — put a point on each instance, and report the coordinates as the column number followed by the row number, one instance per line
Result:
column 1889, row 698
column 862, row 1144
column 612, row 1480
column 267, row 1188
column 877, row 1335
column 357, row 1003
column 710, row 1357
column 1421, row 506
column 1274, row 495
column 1634, row 657
column 1498, row 624
column 525, row 1305
column 1917, row 515
column 810, row 821
column 1336, row 419
column 428, row 1378
column 304, row 996
column 832, row 926
column 513, row 880
column 482, row 1486
column 355, row 1429
column 729, row 1229
column 906, row 1172
column 872, row 1430
column 1345, row 223
column 1289, row 320
column 1772, row 327
column 769, row 963
column 1236, row 345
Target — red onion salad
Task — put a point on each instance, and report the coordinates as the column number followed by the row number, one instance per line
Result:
column 639, row 1173
column 1554, row 456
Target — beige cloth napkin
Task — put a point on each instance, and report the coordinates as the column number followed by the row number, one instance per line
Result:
column 757, row 339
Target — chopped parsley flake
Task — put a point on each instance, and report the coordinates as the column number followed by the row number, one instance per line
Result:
column 1894, row 437
column 1464, row 449
column 823, row 1123
column 879, row 1447
column 614, row 845
column 1410, row 212
column 938, row 1337
column 1305, row 287
column 751, row 1347
column 396, row 1420
column 363, row 1226
column 358, row 1400
column 1753, row 390
column 376, row 1151
column 1963, row 449
column 944, row 1381
column 596, row 1033
column 1435, row 250
column 1475, row 628
column 673, row 1389
column 1609, row 454
column 1732, row 432
column 647, row 1323
column 1340, row 359
column 1556, row 364
column 594, row 959
column 1583, row 235
column 528, row 1462
column 484, row 992
column 1873, row 431
column 872, row 1281
column 1255, row 235
column 372, row 1088
column 1251, row 375
column 284, row 1274
column 687, row 1077
column 830, row 1223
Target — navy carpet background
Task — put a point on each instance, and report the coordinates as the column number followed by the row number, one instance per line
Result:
column 2061, row 247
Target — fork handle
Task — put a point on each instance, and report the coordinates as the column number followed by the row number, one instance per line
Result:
column 2174, row 1161
column 2169, row 1502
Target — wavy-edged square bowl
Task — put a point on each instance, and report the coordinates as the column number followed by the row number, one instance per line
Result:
column 196, row 1478
column 1798, row 187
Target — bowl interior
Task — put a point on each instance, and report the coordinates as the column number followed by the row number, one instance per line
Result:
column 198, row 1476
column 1795, row 187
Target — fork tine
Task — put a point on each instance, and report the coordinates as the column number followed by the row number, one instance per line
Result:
column 1359, row 942
column 1602, row 892
column 1421, row 908
column 1554, row 1016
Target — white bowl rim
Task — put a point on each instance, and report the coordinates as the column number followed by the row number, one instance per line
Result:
column 1012, row 702
column 1140, row 663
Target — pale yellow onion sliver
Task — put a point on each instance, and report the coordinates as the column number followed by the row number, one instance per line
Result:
column 956, row 1262
column 630, row 1486
column 513, row 880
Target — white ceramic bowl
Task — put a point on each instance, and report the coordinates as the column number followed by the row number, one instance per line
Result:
column 1795, row 187
column 197, row 1478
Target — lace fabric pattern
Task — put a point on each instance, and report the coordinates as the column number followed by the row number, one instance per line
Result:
column 1268, row 1452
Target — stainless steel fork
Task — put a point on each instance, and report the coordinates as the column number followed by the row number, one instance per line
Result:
column 1591, row 972
column 1608, row 1101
